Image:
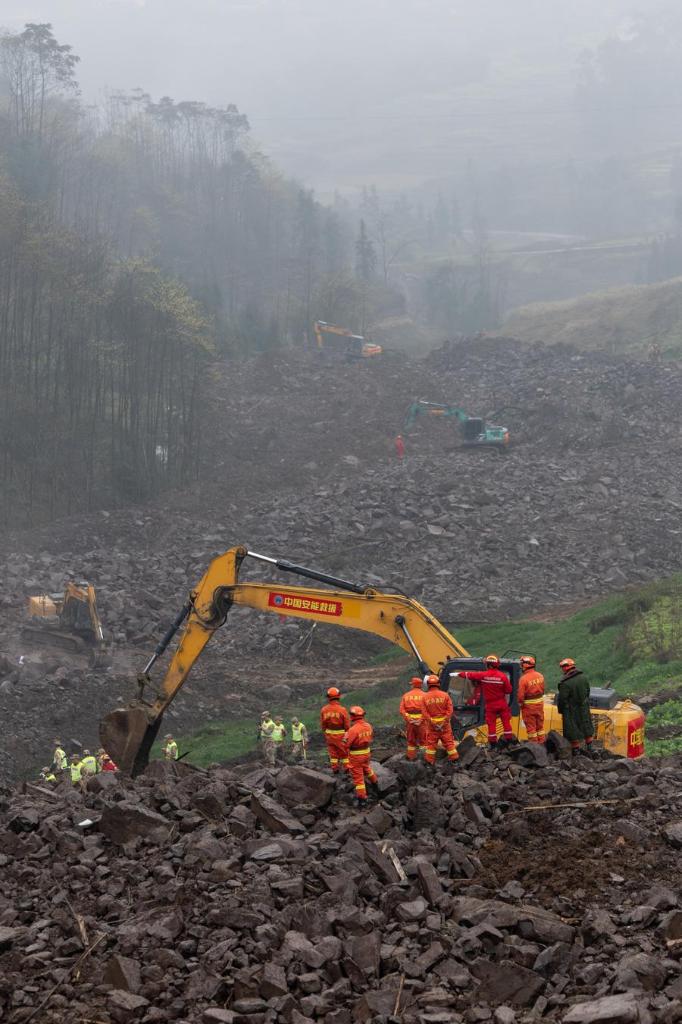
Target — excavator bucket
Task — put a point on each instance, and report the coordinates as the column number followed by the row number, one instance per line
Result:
column 128, row 736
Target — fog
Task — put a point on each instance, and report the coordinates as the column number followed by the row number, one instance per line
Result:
column 183, row 183
column 342, row 93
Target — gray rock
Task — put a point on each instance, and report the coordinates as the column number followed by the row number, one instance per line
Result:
column 124, row 821
column 619, row 1009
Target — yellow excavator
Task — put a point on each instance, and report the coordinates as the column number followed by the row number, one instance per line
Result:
column 68, row 620
column 127, row 734
column 355, row 346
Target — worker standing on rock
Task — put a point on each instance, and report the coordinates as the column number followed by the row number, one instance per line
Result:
column 59, row 759
column 531, row 699
column 266, row 741
column 279, row 734
column 400, row 447
column 573, row 704
column 75, row 769
column 47, row 776
column 494, row 684
column 412, row 711
column 88, row 764
column 437, row 711
column 358, row 743
column 170, row 748
column 334, row 722
column 299, row 739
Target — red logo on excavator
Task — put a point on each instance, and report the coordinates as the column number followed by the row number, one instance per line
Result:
column 289, row 603
column 636, row 737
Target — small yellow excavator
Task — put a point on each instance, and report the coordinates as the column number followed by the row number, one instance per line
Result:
column 69, row 621
column 354, row 347
column 127, row 734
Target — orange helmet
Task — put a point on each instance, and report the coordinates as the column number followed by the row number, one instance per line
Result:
column 333, row 693
column 491, row 659
column 566, row 664
column 432, row 680
column 357, row 712
column 527, row 660
column 416, row 682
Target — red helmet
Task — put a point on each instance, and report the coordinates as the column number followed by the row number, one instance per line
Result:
column 333, row 693
column 566, row 664
column 357, row 712
column 432, row 680
column 491, row 659
column 527, row 660
column 416, row 682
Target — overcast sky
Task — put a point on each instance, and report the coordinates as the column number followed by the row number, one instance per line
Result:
column 321, row 75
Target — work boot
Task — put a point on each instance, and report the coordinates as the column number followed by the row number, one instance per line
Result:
column 360, row 804
column 575, row 752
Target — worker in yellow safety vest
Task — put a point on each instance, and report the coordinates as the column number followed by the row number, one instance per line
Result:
column 47, row 776
column 279, row 734
column 266, row 741
column 88, row 764
column 59, row 759
column 75, row 769
column 299, row 739
column 170, row 748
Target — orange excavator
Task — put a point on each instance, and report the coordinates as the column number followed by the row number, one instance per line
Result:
column 354, row 347
column 68, row 621
column 127, row 734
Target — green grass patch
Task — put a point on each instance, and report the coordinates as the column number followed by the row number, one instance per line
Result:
column 630, row 642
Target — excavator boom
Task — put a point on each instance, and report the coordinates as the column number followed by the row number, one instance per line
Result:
column 127, row 734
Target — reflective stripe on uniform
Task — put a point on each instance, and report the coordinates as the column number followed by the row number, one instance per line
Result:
column 533, row 700
column 414, row 716
column 334, row 732
column 438, row 719
column 358, row 753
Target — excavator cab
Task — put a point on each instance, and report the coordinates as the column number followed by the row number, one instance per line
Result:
column 467, row 714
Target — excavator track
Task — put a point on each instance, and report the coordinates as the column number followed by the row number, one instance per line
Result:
column 44, row 636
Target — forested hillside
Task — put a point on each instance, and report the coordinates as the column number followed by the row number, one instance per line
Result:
column 137, row 242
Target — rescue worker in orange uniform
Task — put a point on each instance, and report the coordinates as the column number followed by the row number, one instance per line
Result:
column 334, row 721
column 358, row 741
column 531, row 702
column 495, row 686
column 412, row 711
column 437, row 721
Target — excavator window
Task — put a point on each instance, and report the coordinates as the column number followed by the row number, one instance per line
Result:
column 469, row 715
column 472, row 428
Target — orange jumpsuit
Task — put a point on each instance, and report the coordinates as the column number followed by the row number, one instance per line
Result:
column 334, row 720
column 437, row 714
column 531, row 692
column 358, row 741
column 412, row 710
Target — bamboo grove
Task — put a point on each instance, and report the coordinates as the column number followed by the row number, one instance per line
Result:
column 138, row 242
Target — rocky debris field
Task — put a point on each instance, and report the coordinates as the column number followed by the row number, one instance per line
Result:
column 525, row 888
column 299, row 463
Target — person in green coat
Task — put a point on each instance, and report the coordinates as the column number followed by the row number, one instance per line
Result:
column 573, row 704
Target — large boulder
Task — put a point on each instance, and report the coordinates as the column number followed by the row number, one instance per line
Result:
column 125, row 821
column 299, row 786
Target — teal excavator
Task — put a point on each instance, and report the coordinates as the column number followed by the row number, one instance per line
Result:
column 476, row 433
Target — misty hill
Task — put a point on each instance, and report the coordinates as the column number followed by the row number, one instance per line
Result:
column 619, row 320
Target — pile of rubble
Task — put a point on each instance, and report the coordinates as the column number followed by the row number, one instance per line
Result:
column 587, row 500
column 493, row 892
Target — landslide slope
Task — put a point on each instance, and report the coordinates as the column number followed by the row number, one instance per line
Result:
column 299, row 463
